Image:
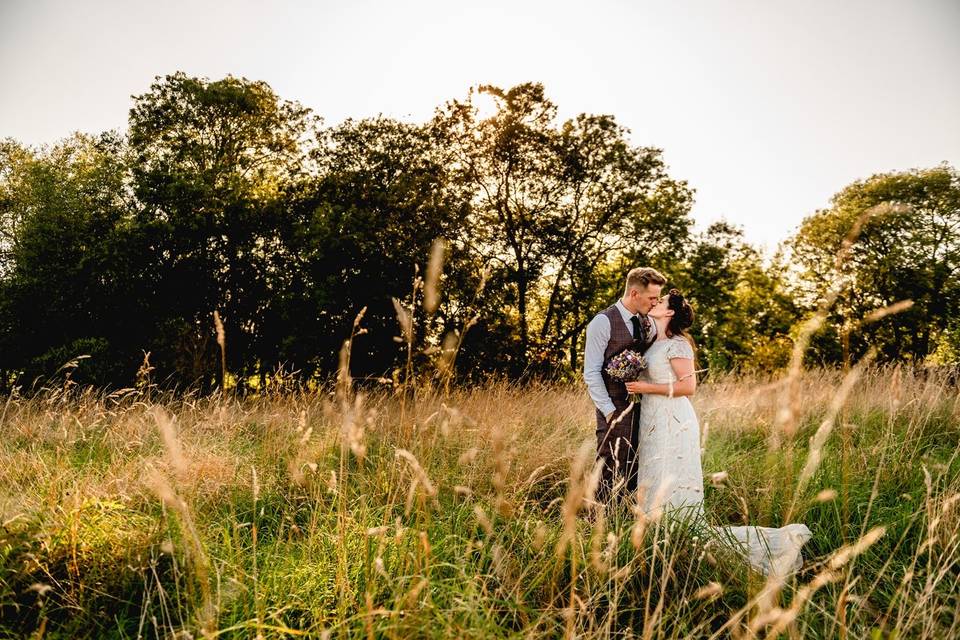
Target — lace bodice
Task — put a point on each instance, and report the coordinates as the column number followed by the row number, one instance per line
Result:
column 659, row 355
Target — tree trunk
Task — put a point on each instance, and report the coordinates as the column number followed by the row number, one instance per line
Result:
column 574, row 339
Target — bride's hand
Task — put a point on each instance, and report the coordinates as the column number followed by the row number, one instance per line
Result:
column 636, row 387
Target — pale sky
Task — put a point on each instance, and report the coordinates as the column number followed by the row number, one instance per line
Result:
column 767, row 108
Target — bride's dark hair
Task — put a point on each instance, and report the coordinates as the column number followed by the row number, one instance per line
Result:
column 682, row 318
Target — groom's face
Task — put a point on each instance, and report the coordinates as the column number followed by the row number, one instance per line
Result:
column 646, row 298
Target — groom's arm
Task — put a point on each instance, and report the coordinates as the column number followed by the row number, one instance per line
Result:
column 598, row 335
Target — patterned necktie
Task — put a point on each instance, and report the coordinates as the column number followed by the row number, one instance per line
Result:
column 638, row 333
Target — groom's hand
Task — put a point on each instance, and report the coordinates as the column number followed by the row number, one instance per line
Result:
column 610, row 415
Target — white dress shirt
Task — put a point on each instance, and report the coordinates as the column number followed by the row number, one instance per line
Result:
column 598, row 335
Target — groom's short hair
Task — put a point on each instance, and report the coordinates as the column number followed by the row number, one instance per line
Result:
column 641, row 277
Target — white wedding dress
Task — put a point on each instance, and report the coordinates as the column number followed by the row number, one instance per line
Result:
column 670, row 476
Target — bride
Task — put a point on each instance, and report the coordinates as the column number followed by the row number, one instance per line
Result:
column 668, row 455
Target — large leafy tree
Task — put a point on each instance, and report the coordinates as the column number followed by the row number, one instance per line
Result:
column 65, row 290
column 906, row 227
column 213, row 160
column 225, row 197
column 552, row 204
column 744, row 310
column 358, row 234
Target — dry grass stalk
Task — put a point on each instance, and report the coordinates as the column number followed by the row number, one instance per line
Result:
column 405, row 319
column 418, row 471
column 222, row 343
column 786, row 418
column 195, row 552
column 344, row 381
column 577, row 494
column 431, row 289
column 826, row 426
column 455, row 445
column 879, row 314
column 170, row 440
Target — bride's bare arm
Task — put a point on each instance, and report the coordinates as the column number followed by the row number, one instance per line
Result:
column 686, row 384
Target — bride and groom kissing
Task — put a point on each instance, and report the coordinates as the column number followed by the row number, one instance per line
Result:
column 648, row 435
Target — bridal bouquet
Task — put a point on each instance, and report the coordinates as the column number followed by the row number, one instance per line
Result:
column 625, row 367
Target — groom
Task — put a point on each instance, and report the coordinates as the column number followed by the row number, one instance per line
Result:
column 611, row 331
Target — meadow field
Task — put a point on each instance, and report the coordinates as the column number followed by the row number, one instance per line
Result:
column 466, row 514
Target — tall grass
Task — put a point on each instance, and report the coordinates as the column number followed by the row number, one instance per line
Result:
column 467, row 514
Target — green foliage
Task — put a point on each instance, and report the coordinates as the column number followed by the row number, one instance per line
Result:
column 551, row 206
column 63, row 287
column 744, row 310
column 221, row 196
column 906, row 230
column 211, row 162
column 357, row 236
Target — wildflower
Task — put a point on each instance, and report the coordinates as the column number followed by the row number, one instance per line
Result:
column 626, row 366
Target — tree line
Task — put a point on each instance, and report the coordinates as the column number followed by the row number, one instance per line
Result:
column 223, row 197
